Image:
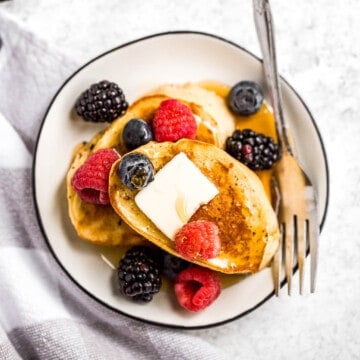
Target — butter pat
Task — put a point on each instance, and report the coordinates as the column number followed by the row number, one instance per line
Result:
column 178, row 190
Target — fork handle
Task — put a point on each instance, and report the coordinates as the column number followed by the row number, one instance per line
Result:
column 265, row 31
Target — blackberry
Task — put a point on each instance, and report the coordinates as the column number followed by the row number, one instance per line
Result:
column 139, row 274
column 102, row 102
column 245, row 98
column 135, row 171
column 136, row 133
column 257, row 151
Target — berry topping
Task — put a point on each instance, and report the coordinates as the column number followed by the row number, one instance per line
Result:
column 135, row 171
column 173, row 121
column 91, row 180
column 139, row 274
column 196, row 288
column 136, row 133
column 198, row 240
column 257, row 151
column 172, row 265
column 245, row 98
column 102, row 102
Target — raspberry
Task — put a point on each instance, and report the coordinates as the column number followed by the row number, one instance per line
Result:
column 198, row 240
column 173, row 121
column 91, row 180
column 196, row 288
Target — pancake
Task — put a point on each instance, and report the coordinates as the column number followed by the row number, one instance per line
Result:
column 248, row 226
column 97, row 224
column 100, row 224
column 145, row 108
column 211, row 103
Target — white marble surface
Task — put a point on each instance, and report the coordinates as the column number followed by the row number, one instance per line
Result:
column 319, row 54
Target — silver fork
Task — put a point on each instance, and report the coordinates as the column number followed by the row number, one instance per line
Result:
column 297, row 207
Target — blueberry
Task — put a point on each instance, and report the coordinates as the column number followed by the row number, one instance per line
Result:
column 245, row 98
column 136, row 133
column 135, row 171
column 172, row 265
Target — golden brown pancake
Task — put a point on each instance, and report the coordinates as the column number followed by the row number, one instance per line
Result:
column 145, row 108
column 213, row 105
column 98, row 224
column 247, row 224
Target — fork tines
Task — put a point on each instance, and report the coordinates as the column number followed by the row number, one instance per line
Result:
column 296, row 239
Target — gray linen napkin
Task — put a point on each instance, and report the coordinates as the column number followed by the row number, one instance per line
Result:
column 43, row 315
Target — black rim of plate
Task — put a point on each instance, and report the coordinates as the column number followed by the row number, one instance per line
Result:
column 167, row 33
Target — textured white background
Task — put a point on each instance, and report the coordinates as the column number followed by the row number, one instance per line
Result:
column 319, row 54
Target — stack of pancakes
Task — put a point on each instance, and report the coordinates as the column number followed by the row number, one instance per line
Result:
column 247, row 223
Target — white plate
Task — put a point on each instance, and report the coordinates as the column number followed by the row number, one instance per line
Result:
column 139, row 66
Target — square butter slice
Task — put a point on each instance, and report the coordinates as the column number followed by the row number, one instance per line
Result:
column 178, row 190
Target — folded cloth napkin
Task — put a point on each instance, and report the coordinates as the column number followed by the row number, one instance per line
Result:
column 43, row 315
